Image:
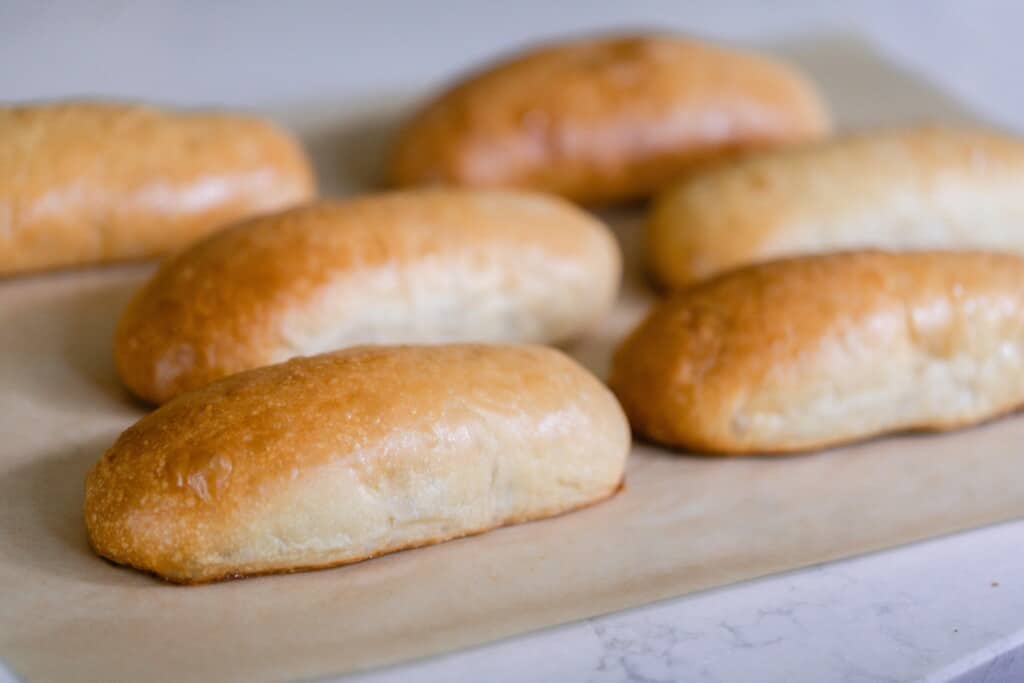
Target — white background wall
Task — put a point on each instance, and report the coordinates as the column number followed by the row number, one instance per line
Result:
column 294, row 51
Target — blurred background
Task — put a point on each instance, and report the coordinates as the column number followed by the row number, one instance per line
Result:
column 262, row 53
column 342, row 73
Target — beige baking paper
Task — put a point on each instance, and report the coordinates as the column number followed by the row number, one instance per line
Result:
column 682, row 524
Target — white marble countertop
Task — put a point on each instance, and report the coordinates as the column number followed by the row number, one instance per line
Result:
column 950, row 609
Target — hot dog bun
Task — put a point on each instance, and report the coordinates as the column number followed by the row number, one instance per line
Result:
column 920, row 188
column 419, row 266
column 337, row 458
column 605, row 119
column 91, row 182
column 819, row 350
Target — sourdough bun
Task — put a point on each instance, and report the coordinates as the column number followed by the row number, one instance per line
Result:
column 605, row 119
column 819, row 350
column 337, row 458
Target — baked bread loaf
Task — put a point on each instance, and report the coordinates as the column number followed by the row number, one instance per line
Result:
column 420, row 266
column 920, row 188
column 91, row 182
column 605, row 119
column 337, row 458
column 818, row 350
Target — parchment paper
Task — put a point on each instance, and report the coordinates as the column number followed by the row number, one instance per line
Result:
column 683, row 523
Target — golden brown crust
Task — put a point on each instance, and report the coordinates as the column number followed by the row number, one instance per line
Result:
column 813, row 351
column 605, row 119
column 335, row 458
column 403, row 267
column 92, row 182
column 928, row 187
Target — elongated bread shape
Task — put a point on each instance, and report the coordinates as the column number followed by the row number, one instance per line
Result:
column 604, row 119
column 818, row 350
column 89, row 182
column 919, row 188
column 336, row 458
column 420, row 266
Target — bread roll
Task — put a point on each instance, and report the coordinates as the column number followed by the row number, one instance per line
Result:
column 819, row 350
column 604, row 119
column 406, row 267
column 336, row 458
column 919, row 188
column 88, row 182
